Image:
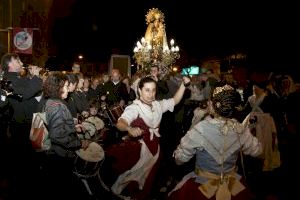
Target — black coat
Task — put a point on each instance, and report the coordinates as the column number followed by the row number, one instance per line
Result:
column 115, row 93
column 24, row 90
column 77, row 103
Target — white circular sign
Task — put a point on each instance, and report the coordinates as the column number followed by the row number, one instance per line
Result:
column 23, row 40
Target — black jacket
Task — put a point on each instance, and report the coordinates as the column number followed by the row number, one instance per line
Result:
column 115, row 93
column 77, row 103
column 26, row 89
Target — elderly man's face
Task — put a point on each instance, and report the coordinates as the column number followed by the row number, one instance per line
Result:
column 115, row 77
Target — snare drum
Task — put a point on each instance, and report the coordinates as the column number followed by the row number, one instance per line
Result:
column 99, row 124
column 114, row 113
column 88, row 161
column 90, row 130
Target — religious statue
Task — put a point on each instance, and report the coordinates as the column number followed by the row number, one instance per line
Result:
column 153, row 48
column 156, row 34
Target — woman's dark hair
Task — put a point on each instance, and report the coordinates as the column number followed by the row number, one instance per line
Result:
column 262, row 84
column 144, row 80
column 79, row 75
column 72, row 78
column 94, row 103
column 53, row 85
column 225, row 101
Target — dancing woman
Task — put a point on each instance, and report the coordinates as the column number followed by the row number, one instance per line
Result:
column 216, row 142
column 136, row 159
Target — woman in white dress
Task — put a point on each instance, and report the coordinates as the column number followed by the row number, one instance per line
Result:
column 135, row 160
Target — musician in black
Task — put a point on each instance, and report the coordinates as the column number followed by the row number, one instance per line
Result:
column 21, row 92
column 114, row 91
column 77, row 101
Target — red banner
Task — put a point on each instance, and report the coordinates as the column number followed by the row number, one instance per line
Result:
column 22, row 39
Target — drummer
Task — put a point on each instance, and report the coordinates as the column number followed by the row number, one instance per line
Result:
column 58, row 161
column 137, row 159
column 114, row 91
column 94, row 117
column 94, row 107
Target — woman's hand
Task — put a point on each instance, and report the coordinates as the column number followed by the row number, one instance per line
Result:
column 75, row 121
column 85, row 144
column 134, row 131
column 122, row 103
column 186, row 81
column 85, row 114
column 79, row 128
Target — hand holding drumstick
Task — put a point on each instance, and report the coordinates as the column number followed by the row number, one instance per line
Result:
column 85, row 144
column 134, row 131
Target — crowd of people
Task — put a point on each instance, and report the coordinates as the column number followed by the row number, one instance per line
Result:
column 175, row 137
column 151, row 135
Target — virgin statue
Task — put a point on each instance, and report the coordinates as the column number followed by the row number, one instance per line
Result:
column 156, row 34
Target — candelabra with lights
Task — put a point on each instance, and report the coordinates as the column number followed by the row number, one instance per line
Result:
column 146, row 55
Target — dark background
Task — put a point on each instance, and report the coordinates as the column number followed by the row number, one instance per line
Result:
column 268, row 33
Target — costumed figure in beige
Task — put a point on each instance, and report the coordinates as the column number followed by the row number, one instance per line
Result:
column 216, row 141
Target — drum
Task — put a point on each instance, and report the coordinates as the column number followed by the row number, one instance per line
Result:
column 99, row 124
column 88, row 161
column 114, row 113
column 90, row 130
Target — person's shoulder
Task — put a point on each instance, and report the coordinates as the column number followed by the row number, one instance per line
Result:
column 135, row 103
column 11, row 76
column 108, row 84
column 54, row 104
column 251, row 97
column 122, row 84
column 164, row 101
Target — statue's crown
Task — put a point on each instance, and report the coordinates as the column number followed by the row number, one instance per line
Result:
column 152, row 13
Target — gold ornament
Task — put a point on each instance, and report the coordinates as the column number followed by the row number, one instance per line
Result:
column 218, row 90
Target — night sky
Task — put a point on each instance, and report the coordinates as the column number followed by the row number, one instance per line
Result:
column 268, row 33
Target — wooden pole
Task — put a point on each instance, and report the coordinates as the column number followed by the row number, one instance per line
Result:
column 9, row 32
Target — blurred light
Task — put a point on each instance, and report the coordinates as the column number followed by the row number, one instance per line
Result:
column 80, row 57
